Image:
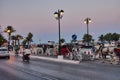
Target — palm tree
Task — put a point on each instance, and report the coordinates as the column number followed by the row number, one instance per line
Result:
column 62, row 40
column 9, row 30
column 101, row 38
column 2, row 40
column 115, row 36
column 29, row 38
column 19, row 37
column 87, row 38
column 13, row 38
column 108, row 37
column 24, row 42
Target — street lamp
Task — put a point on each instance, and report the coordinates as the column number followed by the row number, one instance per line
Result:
column 58, row 15
column 87, row 21
column 9, row 32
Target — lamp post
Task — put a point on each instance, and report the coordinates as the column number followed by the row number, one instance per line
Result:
column 9, row 32
column 58, row 15
column 87, row 21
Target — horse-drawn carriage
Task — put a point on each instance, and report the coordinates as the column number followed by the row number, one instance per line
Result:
column 82, row 53
column 112, row 51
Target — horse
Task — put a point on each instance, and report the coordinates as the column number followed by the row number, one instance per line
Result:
column 102, row 51
column 97, row 51
column 37, row 50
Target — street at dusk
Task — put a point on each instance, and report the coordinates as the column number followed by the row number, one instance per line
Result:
column 59, row 39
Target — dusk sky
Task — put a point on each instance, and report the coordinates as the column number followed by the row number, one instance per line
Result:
column 37, row 17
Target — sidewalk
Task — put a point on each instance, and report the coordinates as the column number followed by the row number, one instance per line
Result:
column 53, row 59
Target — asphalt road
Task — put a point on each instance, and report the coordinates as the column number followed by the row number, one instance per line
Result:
column 37, row 69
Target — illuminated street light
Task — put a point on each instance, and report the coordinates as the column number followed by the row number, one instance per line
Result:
column 87, row 21
column 58, row 15
column 9, row 32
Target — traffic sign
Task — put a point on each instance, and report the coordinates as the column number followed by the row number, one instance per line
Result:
column 74, row 36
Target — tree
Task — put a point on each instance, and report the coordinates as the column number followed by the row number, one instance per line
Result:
column 9, row 30
column 2, row 40
column 24, row 42
column 62, row 40
column 16, row 38
column 87, row 38
column 29, row 38
column 13, row 38
column 115, row 36
column 19, row 37
column 108, row 37
column 101, row 38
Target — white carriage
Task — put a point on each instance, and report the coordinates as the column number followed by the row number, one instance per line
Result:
column 83, row 53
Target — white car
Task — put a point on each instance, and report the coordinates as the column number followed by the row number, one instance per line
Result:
column 4, row 52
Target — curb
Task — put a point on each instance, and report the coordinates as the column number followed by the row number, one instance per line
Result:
column 54, row 59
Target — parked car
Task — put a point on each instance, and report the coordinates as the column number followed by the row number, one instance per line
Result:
column 4, row 52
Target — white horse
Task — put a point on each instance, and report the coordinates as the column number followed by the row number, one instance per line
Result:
column 37, row 50
column 50, row 52
column 103, row 51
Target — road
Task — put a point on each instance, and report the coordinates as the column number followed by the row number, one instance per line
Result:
column 38, row 69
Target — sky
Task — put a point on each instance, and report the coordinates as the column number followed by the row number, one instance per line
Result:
column 37, row 17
